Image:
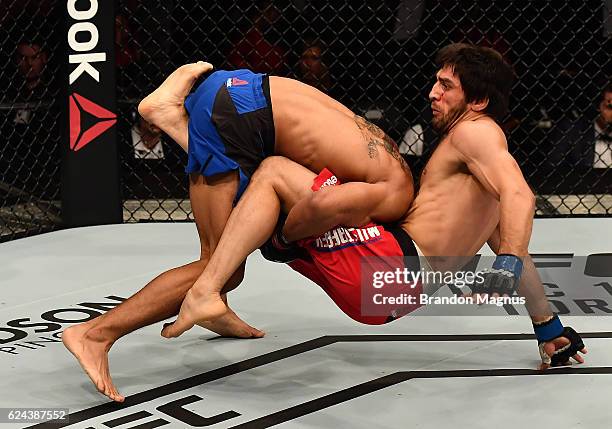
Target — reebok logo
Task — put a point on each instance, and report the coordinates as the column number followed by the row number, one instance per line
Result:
column 234, row 81
column 324, row 179
column 83, row 55
column 332, row 181
column 80, row 138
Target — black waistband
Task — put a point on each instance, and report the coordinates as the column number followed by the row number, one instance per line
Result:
column 406, row 244
column 270, row 139
column 411, row 256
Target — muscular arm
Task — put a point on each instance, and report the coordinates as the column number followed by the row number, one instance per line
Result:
column 482, row 146
column 350, row 204
column 357, row 203
column 530, row 285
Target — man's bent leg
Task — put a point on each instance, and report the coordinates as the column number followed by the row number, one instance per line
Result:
column 277, row 181
column 161, row 298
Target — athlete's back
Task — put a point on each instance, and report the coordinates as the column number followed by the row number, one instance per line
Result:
column 317, row 131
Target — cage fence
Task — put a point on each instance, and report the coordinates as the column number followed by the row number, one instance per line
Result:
column 376, row 57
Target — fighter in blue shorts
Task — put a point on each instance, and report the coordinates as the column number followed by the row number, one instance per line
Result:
column 236, row 119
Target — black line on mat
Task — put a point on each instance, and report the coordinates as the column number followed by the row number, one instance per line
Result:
column 151, row 425
column 391, row 380
column 552, row 255
column 267, row 358
column 127, row 419
column 552, row 264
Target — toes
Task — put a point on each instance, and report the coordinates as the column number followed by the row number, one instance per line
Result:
column 165, row 332
column 170, row 331
column 176, row 329
column 194, row 70
column 116, row 396
column 113, row 394
column 107, row 392
column 204, row 67
column 256, row 333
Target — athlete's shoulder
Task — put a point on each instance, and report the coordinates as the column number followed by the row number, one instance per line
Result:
column 478, row 134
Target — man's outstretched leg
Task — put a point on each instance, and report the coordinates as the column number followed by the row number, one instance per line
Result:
column 90, row 342
column 278, row 181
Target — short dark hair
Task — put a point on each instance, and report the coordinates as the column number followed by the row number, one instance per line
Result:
column 483, row 74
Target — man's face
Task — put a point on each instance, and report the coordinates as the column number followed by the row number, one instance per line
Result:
column 31, row 59
column 605, row 108
column 447, row 100
column 310, row 62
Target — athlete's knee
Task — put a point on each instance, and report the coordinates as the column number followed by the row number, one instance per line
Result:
column 270, row 169
column 273, row 164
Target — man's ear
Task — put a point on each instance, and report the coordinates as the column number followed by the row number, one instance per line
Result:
column 479, row 106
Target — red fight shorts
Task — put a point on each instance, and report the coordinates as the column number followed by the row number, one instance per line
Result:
column 347, row 264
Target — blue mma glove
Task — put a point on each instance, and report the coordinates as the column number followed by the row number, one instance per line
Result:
column 551, row 330
column 503, row 278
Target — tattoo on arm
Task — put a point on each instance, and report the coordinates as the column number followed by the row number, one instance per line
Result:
column 377, row 137
column 372, row 150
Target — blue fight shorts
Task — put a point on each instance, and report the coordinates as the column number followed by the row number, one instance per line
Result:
column 231, row 126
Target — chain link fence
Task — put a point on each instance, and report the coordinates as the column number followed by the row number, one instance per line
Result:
column 29, row 118
column 376, row 57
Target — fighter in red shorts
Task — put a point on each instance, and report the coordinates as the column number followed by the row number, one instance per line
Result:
column 341, row 262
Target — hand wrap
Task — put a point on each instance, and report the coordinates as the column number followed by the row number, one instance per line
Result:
column 503, row 278
column 552, row 329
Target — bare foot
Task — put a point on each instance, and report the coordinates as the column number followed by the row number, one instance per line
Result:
column 93, row 357
column 230, row 325
column 164, row 106
column 196, row 308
